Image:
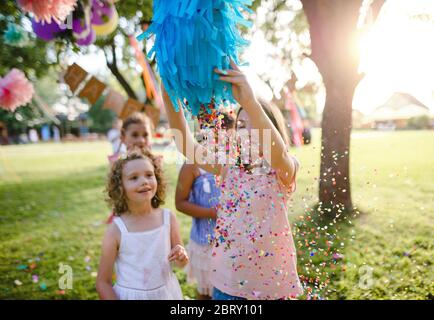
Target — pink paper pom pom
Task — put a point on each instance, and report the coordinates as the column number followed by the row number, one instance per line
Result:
column 15, row 90
column 45, row 10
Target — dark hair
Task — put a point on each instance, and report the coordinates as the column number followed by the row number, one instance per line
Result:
column 115, row 189
column 228, row 121
column 136, row 118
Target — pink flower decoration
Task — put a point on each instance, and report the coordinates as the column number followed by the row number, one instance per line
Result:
column 45, row 10
column 15, row 90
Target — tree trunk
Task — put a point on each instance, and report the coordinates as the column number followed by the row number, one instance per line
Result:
column 334, row 182
column 333, row 32
column 113, row 66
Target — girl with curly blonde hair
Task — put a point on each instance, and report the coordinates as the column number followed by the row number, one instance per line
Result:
column 144, row 238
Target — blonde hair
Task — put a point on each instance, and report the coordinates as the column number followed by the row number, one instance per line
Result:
column 115, row 189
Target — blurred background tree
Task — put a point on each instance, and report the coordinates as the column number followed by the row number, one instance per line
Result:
column 100, row 119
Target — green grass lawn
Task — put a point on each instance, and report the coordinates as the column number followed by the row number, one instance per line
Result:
column 52, row 211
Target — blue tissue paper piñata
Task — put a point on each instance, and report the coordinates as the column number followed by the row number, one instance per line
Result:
column 192, row 37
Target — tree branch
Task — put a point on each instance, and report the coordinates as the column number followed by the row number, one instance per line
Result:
column 113, row 66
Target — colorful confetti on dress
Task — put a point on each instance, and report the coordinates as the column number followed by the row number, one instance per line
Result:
column 254, row 255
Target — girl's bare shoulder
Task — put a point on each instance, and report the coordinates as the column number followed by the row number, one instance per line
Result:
column 190, row 169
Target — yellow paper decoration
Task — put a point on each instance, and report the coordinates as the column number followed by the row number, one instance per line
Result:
column 107, row 28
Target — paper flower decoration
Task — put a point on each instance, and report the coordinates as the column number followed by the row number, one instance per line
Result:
column 15, row 35
column 105, row 18
column 191, row 39
column 46, row 31
column 15, row 90
column 87, row 40
column 82, row 31
column 46, row 10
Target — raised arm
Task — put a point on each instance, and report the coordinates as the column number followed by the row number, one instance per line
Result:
column 185, row 138
column 281, row 161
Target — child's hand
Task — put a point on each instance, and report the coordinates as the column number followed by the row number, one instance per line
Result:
column 241, row 89
column 178, row 254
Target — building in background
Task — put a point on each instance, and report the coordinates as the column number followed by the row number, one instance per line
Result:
column 400, row 111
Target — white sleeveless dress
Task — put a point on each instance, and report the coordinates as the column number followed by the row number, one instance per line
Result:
column 143, row 271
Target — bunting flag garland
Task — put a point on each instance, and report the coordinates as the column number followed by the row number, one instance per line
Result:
column 92, row 89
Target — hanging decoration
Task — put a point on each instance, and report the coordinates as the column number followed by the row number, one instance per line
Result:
column 90, row 18
column 191, row 39
column 48, row 10
column 105, row 18
column 15, row 35
column 15, row 90
column 81, row 26
column 92, row 89
column 151, row 84
column 46, row 31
